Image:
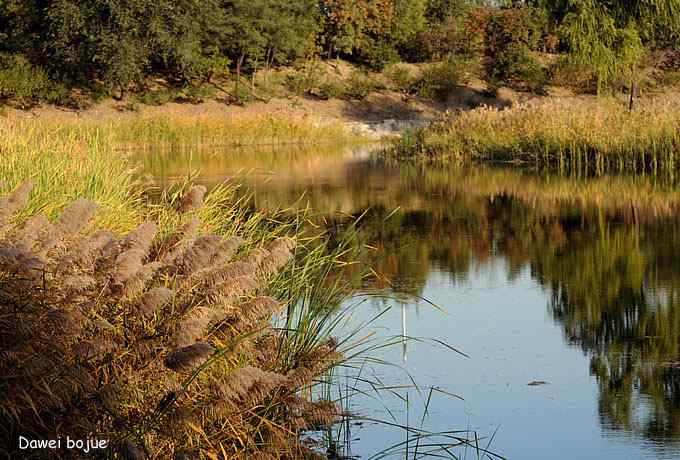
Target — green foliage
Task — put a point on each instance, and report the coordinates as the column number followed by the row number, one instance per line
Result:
column 26, row 83
column 259, row 33
column 438, row 80
column 401, row 76
column 511, row 36
column 305, row 78
column 609, row 36
column 361, row 84
column 330, row 90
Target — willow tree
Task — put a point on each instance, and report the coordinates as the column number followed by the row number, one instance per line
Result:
column 609, row 36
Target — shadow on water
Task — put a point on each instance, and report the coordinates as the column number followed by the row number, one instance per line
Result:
column 571, row 282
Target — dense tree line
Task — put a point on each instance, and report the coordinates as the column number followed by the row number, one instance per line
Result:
column 116, row 44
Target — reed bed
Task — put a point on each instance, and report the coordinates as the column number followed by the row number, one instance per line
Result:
column 184, row 130
column 156, row 344
column 146, row 322
column 585, row 134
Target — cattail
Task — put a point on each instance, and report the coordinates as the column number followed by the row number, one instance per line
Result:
column 74, row 217
column 21, row 262
column 135, row 285
column 229, row 290
column 188, row 357
column 248, row 383
column 29, row 232
column 253, row 311
column 192, row 328
column 321, row 413
column 76, row 283
column 12, row 203
column 282, row 243
column 152, row 300
column 200, row 253
column 256, row 256
column 177, row 242
column 213, row 276
column 96, row 348
column 193, row 199
column 140, row 238
column 84, row 253
column 274, row 261
column 127, row 265
column 226, row 250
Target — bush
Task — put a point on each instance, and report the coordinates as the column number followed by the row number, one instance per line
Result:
column 330, row 90
column 361, row 84
column 401, row 76
column 25, row 83
column 378, row 55
column 306, row 78
column 437, row 80
column 156, row 97
column 511, row 36
column 568, row 74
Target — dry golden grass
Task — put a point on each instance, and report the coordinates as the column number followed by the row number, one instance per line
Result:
column 579, row 133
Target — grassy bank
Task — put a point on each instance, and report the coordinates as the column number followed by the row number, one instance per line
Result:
column 155, row 337
column 587, row 134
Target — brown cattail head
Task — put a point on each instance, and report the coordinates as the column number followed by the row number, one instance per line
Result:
column 193, row 199
column 152, row 300
column 188, row 357
column 192, row 327
column 74, row 217
column 247, row 383
column 13, row 203
column 173, row 245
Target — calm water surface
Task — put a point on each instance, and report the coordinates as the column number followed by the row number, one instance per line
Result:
column 536, row 287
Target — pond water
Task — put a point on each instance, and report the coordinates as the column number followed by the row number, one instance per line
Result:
column 563, row 292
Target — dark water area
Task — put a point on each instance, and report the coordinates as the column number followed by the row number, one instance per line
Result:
column 563, row 292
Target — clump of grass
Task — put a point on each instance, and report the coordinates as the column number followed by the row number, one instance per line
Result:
column 568, row 132
column 64, row 164
column 157, row 340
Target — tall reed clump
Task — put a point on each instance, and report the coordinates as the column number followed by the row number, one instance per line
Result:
column 583, row 133
column 158, row 342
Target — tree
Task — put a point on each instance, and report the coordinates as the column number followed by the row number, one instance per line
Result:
column 259, row 33
column 608, row 36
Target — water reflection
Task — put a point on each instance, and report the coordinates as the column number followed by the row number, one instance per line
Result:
column 602, row 253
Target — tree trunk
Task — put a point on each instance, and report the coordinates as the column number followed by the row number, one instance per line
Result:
column 633, row 90
column 238, row 73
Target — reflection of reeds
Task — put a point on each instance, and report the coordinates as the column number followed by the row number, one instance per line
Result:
column 117, row 338
column 577, row 133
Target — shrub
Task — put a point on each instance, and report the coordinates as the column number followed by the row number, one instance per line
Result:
column 568, row 74
column 242, row 94
column 361, row 84
column 156, row 97
column 511, row 36
column 378, row 55
column 401, row 76
column 438, row 80
column 305, row 78
column 25, row 83
column 330, row 90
